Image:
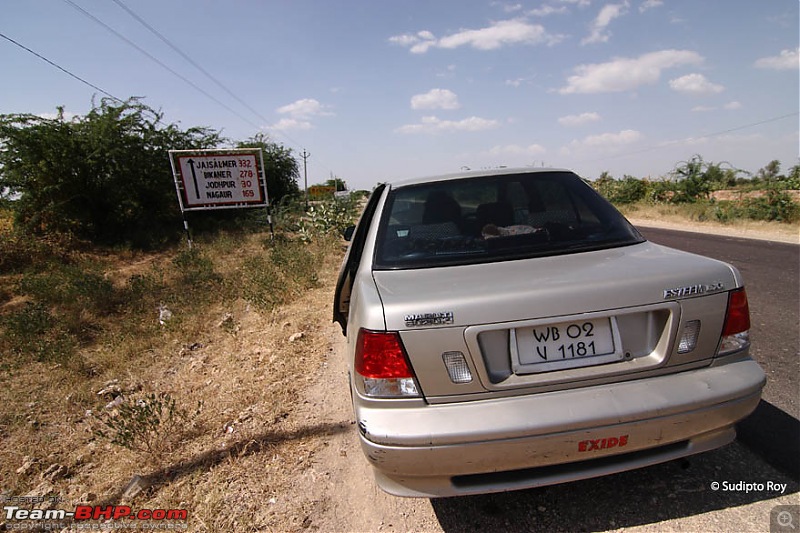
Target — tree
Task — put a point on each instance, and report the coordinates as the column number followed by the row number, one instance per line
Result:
column 104, row 177
column 281, row 168
column 338, row 184
column 770, row 172
column 605, row 184
column 793, row 179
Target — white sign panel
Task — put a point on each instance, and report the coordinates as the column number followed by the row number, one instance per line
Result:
column 220, row 179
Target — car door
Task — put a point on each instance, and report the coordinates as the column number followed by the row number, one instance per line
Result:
column 341, row 298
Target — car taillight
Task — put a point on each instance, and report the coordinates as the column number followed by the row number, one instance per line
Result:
column 736, row 331
column 382, row 365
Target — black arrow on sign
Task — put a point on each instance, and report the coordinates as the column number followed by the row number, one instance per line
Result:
column 194, row 178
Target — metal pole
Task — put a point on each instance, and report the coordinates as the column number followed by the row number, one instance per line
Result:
column 305, row 174
column 269, row 220
column 186, row 227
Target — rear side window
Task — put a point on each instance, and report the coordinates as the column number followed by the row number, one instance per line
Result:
column 496, row 218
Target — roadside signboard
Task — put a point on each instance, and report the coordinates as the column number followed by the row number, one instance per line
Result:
column 320, row 192
column 219, row 179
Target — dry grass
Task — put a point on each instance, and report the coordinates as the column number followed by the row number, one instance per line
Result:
column 231, row 465
column 689, row 217
column 245, row 461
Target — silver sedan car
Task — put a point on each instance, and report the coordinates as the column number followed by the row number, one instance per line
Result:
column 510, row 329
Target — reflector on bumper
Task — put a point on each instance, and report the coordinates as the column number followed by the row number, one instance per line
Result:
column 457, row 367
column 691, row 331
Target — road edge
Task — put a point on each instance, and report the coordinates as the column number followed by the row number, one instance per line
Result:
column 742, row 233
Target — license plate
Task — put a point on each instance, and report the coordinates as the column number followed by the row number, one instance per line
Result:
column 563, row 345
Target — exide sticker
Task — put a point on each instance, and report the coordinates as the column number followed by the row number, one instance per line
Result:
column 602, row 444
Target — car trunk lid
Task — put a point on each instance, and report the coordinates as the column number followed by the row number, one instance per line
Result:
column 637, row 295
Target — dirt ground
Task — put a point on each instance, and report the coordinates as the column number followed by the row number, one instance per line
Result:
column 339, row 474
column 744, row 229
column 281, row 452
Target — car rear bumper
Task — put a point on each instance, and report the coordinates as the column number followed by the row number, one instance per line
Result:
column 541, row 439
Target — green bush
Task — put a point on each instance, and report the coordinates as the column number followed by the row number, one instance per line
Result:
column 20, row 252
column 61, row 314
column 629, row 190
column 195, row 270
column 288, row 268
column 72, row 286
column 144, row 291
column 774, row 206
column 102, row 177
column 33, row 332
column 296, row 263
column 260, row 283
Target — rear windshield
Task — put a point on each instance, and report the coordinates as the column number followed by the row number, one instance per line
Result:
column 496, row 218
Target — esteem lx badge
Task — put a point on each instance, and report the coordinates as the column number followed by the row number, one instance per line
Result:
column 429, row 319
column 693, row 290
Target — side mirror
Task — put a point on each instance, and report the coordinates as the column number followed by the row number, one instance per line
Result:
column 348, row 232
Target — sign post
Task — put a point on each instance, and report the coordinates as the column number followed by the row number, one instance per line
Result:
column 219, row 179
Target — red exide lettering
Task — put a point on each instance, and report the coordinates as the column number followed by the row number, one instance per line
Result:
column 602, row 444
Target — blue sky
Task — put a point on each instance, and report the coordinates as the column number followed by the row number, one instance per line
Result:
column 379, row 90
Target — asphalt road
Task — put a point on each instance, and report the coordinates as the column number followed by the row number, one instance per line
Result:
column 679, row 495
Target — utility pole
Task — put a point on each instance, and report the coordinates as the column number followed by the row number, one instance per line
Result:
column 306, row 155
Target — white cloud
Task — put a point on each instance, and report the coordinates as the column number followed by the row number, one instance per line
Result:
column 603, row 142
column 581, row 3
column 547, row 10
column 598, row 30
column 577, row 120
column 508, row 8
column 624, row 74
column 300, row 113
column 447, row 72
column 650, row 4
column 608, row 140
column 404, row 40
column 787, row 60
column 515, row 149
column 435, row 99
column 304, row 108
column 695, row 84
column 418, row 42
column 286, row 124
column 497, row 35
column 717, row 140
column 517, row 82
column 432, row 124
column 730, row 106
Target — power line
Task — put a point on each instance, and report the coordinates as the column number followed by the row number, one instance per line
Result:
column 189, row 60
column 62, row 69
column 200, row 68
column 714, row 134
column 156, row 60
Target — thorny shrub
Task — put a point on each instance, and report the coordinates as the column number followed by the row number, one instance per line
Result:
column 149, row 425
column 323, row 217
